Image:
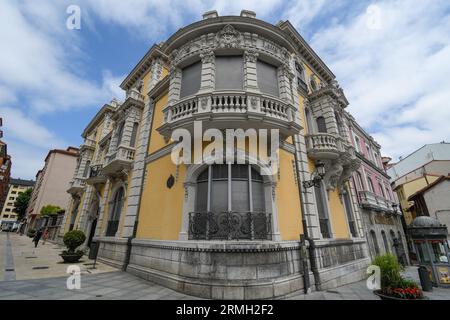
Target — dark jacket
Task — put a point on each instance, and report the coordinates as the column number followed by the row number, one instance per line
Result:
column 38, row 236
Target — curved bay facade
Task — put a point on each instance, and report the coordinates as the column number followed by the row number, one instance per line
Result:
column 224, row 230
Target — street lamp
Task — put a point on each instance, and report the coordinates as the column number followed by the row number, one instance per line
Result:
column 317, row 176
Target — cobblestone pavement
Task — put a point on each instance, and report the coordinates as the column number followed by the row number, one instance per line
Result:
column 109, row 283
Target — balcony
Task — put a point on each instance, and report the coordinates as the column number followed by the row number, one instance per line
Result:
column 231, row 109
column 370, row 200
column 88, row 144
column 76, row 185
column 96, row 175
column 119, row 160
column 322, row 146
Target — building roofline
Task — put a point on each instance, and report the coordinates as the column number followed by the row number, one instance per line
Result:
column 426, row 188
column 142, row 66
column 22, row 182
column 97, row 118
column 60, row 151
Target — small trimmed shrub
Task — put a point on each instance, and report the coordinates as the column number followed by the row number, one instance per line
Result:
column 72, row 240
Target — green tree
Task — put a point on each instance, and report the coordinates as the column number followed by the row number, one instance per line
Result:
column 51, row 210
column 21, row 203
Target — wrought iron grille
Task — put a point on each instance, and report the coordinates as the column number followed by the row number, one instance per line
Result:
column 229, row 226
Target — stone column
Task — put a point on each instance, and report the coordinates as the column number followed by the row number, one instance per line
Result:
column 84, row 209
column 250, row 76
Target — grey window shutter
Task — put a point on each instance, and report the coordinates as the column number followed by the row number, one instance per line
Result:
column 267, row 78
column 229, row 72
column 190, row 79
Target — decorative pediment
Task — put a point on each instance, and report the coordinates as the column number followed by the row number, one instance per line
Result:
column 228, row 37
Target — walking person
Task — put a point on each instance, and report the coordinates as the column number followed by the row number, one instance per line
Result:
column 45, row 236
column 37, row 237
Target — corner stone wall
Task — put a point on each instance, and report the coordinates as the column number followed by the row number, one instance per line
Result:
column 112, row 251
column 232, row 270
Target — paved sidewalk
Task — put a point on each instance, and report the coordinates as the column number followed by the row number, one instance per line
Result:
column 17, row 253
column 106, row 282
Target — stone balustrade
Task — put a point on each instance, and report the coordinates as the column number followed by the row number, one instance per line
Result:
column 373, row 201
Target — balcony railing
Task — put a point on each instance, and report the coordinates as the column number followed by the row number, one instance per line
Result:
column 96, row 174
column 120, row 159
column 231, row 105
column 229, row 226
column 370, row 200
column 322, row 146
column 76, row 185
column 88, row 144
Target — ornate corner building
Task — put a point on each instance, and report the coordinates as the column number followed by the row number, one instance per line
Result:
column 225, row 230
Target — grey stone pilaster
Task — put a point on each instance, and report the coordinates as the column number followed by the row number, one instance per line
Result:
column 207, row 81
column 250, row 76
column 138, row 172
column 103, row 214
column 174, row 85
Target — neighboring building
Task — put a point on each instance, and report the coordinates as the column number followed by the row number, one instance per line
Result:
column 229, row 230
column 5, row 169
column 378, row 203
column 51, row 183
column 418, row 170
column 16, row 187
column 433, row 201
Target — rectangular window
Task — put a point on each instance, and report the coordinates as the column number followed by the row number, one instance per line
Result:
column 190, row 79
column 229, row 72
column 267, row 78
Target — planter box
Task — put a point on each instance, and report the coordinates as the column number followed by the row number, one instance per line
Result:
column 387, row 297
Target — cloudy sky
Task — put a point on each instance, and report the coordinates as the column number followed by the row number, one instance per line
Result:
column 391, row 57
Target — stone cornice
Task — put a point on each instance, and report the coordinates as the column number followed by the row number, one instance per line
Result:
column 143, row 65
column 97, row 118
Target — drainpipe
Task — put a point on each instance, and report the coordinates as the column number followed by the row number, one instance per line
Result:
column 305, row 236
column 136, row 222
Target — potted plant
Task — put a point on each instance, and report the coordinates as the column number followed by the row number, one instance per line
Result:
column 72, row 240
column 393, row 285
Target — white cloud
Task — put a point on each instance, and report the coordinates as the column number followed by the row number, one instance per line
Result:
column 396, row 75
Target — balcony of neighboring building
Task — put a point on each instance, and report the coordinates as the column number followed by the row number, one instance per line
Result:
column 370, row 200
column 76, row 185
column 88, row 144
column 96, row 175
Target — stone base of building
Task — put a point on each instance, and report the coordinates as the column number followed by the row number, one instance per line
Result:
column 236, row 269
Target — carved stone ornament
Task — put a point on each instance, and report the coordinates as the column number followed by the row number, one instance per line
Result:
column 254, row 102
column 207, row 56
column 204, row 103
column 228, row 37
column 251, row 56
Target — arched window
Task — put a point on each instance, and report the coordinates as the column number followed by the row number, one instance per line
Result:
column 385, row 241
column 360, row 181
column 392, row 234
column 134, row 134
column 382, row 190
column 120, row 133
column 370, row 184
column 322, row 210
column 115, row 210
column 349, row 211
column 375, row 242
column 321, row 126
column 230, row 204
